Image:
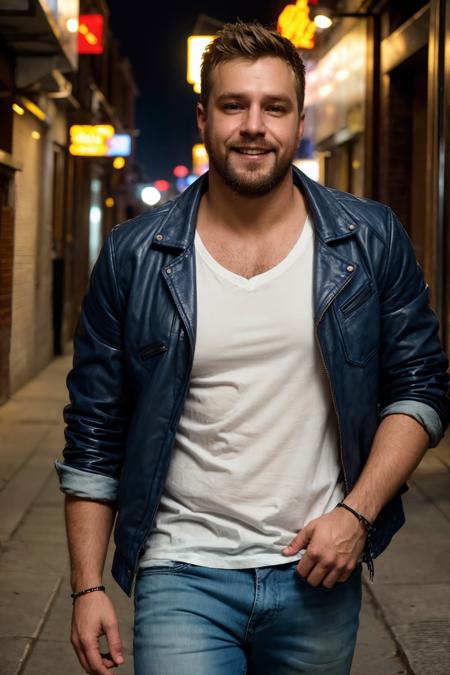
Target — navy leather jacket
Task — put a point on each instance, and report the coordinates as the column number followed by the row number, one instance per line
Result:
column 135, row 342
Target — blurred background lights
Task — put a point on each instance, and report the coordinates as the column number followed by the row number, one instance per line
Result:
column 119, row 162
column 322, row 21
column 36, row 135
column 95, row 215
column 72, row 25
column 18, row 109
column 180, row 171
column 196, row 46
column 162, row 185
column 109, row 202
column 150, row 195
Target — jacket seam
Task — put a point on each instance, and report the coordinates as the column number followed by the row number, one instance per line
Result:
column 114, row 267
column 389, row 246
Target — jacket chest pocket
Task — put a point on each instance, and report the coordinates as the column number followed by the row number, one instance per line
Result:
column 150, row 354
column 358, row 318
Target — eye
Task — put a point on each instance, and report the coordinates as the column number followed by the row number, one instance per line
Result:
column 277, row 109
column 231, row 106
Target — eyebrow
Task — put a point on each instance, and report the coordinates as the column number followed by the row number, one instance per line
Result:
column 269, row 98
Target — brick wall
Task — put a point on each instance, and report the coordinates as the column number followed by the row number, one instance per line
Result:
column 31, row 334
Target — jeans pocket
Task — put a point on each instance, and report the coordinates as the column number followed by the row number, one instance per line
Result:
column 166, row 567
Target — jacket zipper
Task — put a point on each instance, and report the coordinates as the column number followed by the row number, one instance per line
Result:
column 357, row 299
column 152, row 350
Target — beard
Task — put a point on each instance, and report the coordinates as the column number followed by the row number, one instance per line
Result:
column 254, row 182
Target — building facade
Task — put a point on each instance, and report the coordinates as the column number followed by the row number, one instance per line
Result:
column 55, row 209
column 379, row 102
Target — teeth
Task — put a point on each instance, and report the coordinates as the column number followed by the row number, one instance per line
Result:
column 252, row 152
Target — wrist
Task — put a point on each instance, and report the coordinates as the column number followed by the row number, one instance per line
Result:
column 86, row 591
column 365, row 523
column 78, row 583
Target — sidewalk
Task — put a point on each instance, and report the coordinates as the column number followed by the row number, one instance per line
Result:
column 405, row 621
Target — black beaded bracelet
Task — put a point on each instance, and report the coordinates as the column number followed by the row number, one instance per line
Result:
column 74, row 596
column 367, row 525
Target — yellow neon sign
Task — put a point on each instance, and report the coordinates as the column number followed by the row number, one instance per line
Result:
column 90, row 140
column 294, row 23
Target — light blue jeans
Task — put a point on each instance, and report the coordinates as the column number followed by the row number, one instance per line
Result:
column 195, row 620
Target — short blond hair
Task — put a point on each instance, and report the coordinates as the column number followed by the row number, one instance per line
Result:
column 250, row 41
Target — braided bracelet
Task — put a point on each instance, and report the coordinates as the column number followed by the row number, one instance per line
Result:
column 367, row 525
column 74, row 596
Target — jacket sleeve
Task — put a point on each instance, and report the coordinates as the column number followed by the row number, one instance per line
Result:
column 413, row 375
column 97, row 415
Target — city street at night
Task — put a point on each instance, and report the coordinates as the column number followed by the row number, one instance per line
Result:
column 225, row 337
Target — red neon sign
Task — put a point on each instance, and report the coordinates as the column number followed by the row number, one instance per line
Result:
column 90, row 34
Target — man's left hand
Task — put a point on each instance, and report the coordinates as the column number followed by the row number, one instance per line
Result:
column 334, row 543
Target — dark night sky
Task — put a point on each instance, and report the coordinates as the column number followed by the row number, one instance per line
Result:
column 153, row 35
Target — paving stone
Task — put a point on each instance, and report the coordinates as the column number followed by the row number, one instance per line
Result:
column 437, row 489
column 32, row 411
column 414, row 602
column 432, row 463
column 443, row 450
column 23, row 601
column 426, row 645
column 375, row 652
column 12, row 650
column 418, row 551
column 21, row 491
column 17, row 444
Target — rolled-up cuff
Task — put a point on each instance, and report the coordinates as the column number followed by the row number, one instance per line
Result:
column 422, row 413
column 85, row 484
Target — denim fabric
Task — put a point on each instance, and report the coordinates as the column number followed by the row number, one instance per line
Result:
column 422, row 413
column 259, row 621
column 86, row 484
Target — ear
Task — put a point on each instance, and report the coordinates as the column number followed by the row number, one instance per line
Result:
column 201, row 119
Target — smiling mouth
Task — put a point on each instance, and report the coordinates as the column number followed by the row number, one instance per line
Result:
column 254, row 152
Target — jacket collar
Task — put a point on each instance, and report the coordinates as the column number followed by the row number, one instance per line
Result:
column 331, row 220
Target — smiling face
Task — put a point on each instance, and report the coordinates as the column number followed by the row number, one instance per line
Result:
column 252, row 126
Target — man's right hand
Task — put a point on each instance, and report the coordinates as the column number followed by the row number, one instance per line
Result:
column 94, row 616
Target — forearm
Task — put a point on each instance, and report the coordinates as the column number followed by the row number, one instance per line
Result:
column 88, row 524
column 398, row 446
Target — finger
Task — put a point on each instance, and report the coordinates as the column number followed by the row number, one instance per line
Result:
column 94, row 660
column 305, row 565
column 80, row 655
column 331, row 579
column 108, row 661
column 114, row 643
column 300, row 541
column 346, row 573
column 317, row 575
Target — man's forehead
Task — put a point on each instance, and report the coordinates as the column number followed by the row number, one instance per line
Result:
column 243, row 75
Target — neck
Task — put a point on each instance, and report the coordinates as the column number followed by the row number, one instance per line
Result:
column 257, row 214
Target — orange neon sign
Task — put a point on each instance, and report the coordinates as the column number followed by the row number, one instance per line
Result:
column 295, row 24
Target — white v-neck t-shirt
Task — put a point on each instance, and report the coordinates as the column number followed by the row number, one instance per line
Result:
column 256, row 452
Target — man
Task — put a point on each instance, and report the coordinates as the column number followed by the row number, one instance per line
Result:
column 257, row 372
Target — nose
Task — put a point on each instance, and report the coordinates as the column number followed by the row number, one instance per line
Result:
column 253, row 122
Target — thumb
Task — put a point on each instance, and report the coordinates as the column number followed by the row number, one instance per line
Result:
column 114, row 643
column 301, row 540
